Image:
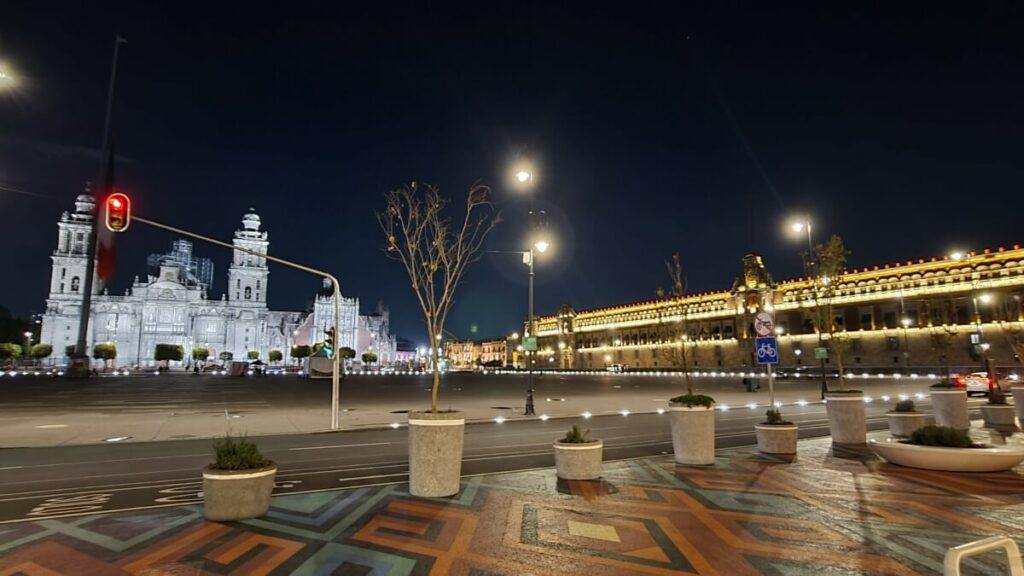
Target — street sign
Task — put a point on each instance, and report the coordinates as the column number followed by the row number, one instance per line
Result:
column 767, row 350
column 530, row 344
column 764, row 324
column 821, row 353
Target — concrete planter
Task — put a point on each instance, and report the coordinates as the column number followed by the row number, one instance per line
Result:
column 999, row 417
column 990, row 459
column 776, row 438
column 1018, row 401
column 903, row 424
column 693, row 434
column 435, row 453
column 580, row 461
column 846, row 418
column 950, row 407
column 237, row 494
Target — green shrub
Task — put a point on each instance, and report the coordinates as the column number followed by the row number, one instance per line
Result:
column 774, row 418
column 104, row 351
column 692, row 400
column 10, row 350
column 41, row 351
column 226, row 356
column 301, row 351
column 904, row 406
column 941, row 436
column 237, row 454
column 576, row 436
column 200, row 354
column 69, row 350
column 275, row 356
column 253, row 355
column 168, row 352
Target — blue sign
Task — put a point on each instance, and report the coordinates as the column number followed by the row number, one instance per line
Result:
column 767, row 350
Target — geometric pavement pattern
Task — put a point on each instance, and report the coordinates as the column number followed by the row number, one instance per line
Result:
column 825, row 512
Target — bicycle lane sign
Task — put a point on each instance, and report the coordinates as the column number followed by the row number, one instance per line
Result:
column 767, row 350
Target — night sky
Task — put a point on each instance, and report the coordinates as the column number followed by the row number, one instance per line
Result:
column 653, row 129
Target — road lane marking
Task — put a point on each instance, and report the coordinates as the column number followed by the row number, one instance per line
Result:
column 336, row 446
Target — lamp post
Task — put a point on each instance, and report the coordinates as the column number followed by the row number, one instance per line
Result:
column 28, row 346
column 799, row 226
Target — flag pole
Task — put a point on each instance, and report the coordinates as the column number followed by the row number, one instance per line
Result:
column 80, row 361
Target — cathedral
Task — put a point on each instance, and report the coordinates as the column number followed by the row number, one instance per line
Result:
column 173, row 307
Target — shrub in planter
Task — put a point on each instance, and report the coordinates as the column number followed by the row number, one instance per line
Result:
column 904, row 419
column 238, row 484
column 578, row 457
column 776, row 435
column 692, row 418
column 944, row 436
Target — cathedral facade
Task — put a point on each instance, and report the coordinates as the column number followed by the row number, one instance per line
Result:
column 171, row 307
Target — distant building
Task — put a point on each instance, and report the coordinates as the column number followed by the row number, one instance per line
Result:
column 494, row 353
column 891, row 316
column 405, row 351
column 462, row 354
column 172, row 306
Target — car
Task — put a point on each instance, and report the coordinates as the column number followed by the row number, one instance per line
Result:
column 616, row 368
column 978, row 382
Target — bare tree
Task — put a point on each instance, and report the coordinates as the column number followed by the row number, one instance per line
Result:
column 677, row 292
column 831, row 262
column 435, row 252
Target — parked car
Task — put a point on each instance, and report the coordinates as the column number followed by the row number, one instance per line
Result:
column 616, row 368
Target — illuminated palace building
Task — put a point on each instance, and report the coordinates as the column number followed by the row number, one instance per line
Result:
column 954, row 310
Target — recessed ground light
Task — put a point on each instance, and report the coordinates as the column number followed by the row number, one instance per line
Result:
column 117, row 439
column 723, row 407
column 661, row 410
column 499, row 419
column 624, row 412
column 555, row 399
column 51, row 426
column 544, row 417
column 586, row 415
column 395, row 425
column 801, row 402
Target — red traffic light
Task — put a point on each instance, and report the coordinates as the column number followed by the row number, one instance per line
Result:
column 119, row 213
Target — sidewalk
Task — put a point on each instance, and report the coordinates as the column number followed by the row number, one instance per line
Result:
column 823, row 513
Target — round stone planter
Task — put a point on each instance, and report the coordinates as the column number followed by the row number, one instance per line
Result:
column 581, row 461
column 903, row 424
column 776, row 438
column 990, row 459
column 1018, row 401
column 435, row 453
column 237, row 494
column 999, row 417
column 846, row 417
column 950, row 407
column 693, row 434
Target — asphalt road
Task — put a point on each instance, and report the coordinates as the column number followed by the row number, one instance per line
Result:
column 41, row 411
column 38, row 483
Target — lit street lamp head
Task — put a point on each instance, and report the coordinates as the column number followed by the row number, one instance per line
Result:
column 797, row 226
column 541, row 246
column 524, row 176
column 956, row 256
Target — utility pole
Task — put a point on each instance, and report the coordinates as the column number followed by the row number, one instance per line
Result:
column 80, row 361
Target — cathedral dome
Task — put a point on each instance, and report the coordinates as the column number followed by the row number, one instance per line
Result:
column 85, row 204
column 251, row 221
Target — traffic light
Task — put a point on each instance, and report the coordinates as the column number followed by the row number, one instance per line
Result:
column 119, row 212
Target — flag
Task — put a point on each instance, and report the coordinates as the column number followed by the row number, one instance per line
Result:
column 106, row 252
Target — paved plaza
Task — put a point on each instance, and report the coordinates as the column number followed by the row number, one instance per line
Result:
column 825, row 512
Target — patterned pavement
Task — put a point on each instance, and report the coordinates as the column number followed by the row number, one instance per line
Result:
column 823, row 513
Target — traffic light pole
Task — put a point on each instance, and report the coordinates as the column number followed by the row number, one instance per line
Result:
column 336, row 373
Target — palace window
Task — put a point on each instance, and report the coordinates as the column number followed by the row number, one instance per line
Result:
column 74, row 284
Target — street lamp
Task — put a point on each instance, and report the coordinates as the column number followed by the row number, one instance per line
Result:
column 799, row 225
column 28, row 345
column 524, row 176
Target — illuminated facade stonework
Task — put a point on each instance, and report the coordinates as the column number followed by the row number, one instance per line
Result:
column 172, row 307
column 892, row 315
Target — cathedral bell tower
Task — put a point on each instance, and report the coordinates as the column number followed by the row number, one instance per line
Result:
column 247, row 276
